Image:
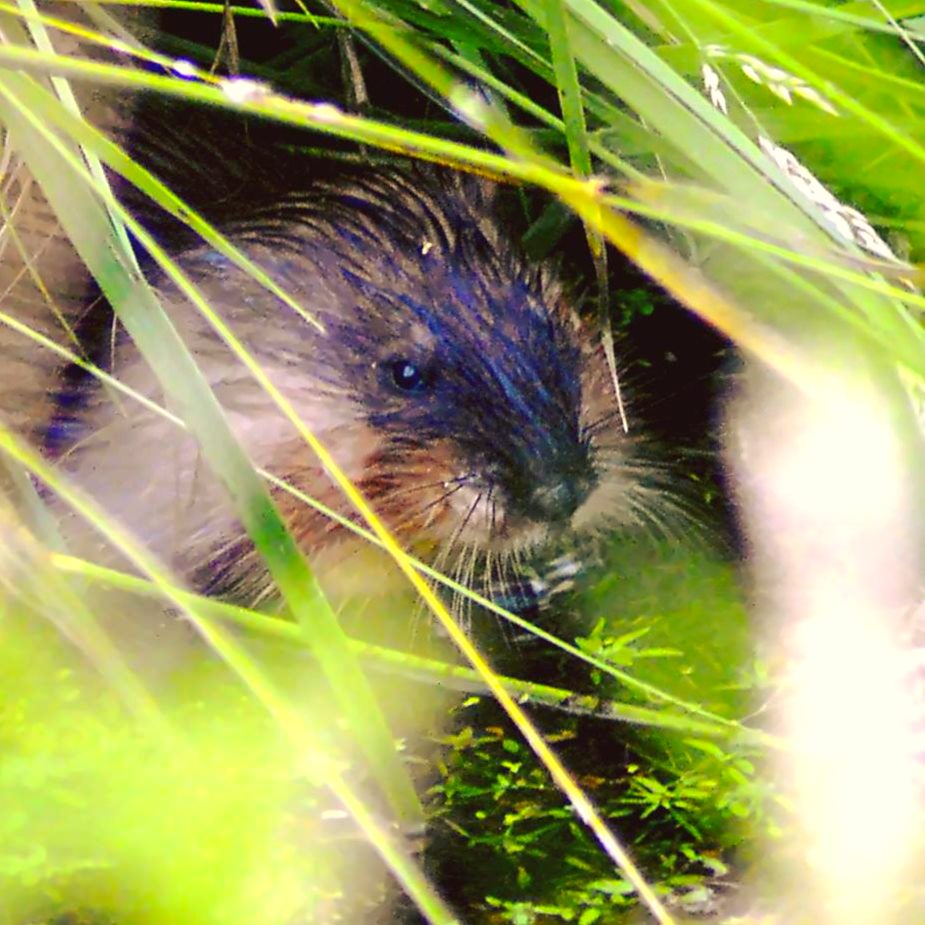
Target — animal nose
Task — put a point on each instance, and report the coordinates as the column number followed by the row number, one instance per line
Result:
column 554, row 501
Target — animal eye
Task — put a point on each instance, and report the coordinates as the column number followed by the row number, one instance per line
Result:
column 408, row 376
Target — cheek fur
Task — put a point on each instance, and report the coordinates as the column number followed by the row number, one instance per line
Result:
column 430, row 499
column 413, row 490
column 423, row 494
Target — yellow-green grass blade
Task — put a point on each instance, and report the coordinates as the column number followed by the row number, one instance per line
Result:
column 731, row 161
column 338, row 123
column 746, row 38
column 724, row 155
column 317, row 762
column 62, row 88
column 26, row 565
column 430, row 670
column 588, row 198
column 605, row 668
column 87, row 225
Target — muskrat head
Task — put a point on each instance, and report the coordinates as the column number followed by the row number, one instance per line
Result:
column 476, row 393
column 467, row 365
column 453, row 384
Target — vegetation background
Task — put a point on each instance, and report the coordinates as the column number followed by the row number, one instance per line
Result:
column 638, row 140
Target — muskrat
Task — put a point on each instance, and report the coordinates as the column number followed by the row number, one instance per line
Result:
column 454, row 384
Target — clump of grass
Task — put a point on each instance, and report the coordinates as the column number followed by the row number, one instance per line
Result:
column 604, row 109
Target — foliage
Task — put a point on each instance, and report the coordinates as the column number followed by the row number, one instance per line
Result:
column 569, row 93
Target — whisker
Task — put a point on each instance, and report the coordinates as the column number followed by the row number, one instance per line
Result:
column 517, row 554
column 508, row 577
column 588, row 429
column 420, row 605
column 469, row 513
column 412, row 489
column 413, row 514
column 663, row 513
column 466, row 622
column 445, row 554
column 493, row 509
column 459, row 600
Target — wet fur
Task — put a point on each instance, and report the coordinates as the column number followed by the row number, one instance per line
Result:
column 395, row 265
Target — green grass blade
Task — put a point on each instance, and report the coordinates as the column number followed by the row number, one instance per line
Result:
column 321, row 767
column 86, row 223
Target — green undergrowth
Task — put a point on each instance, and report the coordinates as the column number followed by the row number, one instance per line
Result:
column 207, row 816
column 689, row 806
column 103, row 818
